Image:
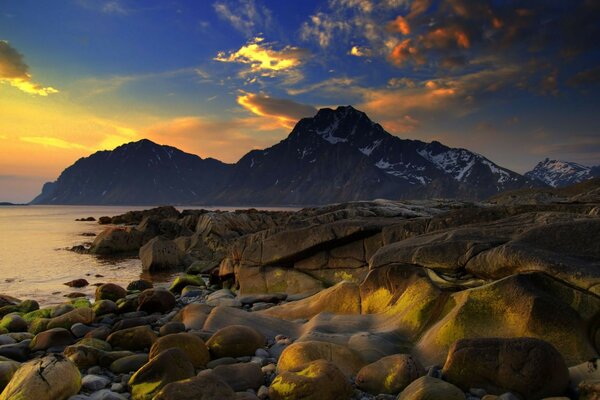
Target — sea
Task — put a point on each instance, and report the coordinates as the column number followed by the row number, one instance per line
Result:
column 35, row 260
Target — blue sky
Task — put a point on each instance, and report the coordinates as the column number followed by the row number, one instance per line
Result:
column 514, row 80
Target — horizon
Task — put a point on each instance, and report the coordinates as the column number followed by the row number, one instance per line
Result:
column 515, row 83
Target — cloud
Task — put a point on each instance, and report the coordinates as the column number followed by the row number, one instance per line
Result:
column 586, row 77
column 358, row 51
column 245, row 16
column 341, row 85
column 15, row 72
column 286, row 112
column 323, row 28
column 114, row 7
column 52, row 142
column 264, row 60
column 227, row 140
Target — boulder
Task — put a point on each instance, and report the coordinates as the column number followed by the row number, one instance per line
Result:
column 102, row 307
column 194, row 315
column 190, row 344
column 156, row 300
column 428, row 388
column 82, row 315
column 55, row 337
column 529, row 367
column 317, row 380
column 276, row 280
column 139, row 285
column 390, row 374
column 171, row 365
column 205, row 386
column 49, row 378
column 241, row 377
column 300, row 353
column 136, row 338
column 160, row 254
column 13, row 323
column 110, row 291
column 235, row 341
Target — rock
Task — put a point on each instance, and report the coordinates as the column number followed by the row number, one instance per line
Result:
column 80, row 330
column 171, row 327
column 527, row 366
column 171, row 365
column 95, row 343
column 300, row 353
column 389, row 375
column 110, row 291
column 49, row 378
column 82, row 315
column 587, row 371
column 262, row 298
column 61, row 309
column 194, row 315
column 139, row 285
column 221, row 317
column 13, row 323
column 129, row 363
column 7, row 370
column 223, row 297
column 102, row 307
column 56, row 337
column 16, row 352
column 84, row 356
column 589, row 390
column 205, row 386
column 317, row 380
column 160, row 254
column 241, row 377
column 235, row 341
column 106, row 394
column 343, row 298
column 276, row 280
column 136, row 338
column 428, row 388
column 93, row 383
column 186, row 280
column 77, row 283
column 156, row 300
column 190, row 344
column 115, row 240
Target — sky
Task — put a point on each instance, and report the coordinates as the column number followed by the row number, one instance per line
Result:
column 516, row 81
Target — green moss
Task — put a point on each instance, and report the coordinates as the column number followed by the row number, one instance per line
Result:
column 42, row 313
column 38, row 325
column 284, row 389
column 80, row 302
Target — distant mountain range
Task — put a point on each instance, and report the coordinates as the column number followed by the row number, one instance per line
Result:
column 558, row 173
column 337, row 155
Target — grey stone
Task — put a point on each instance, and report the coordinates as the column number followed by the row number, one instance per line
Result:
column 93, row 383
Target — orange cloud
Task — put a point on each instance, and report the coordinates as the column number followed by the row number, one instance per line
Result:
column 286, row 112
column 405, row 51
column 264, row 60
column 443, row 38
column 15, row 72
column 400, row 24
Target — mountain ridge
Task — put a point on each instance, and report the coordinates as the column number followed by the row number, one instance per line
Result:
column 337, row 155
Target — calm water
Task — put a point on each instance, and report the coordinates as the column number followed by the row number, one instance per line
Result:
column 34, row 262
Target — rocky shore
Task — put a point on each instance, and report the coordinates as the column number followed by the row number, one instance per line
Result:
column 365, row 300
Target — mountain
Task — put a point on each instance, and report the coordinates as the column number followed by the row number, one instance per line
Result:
column 137, row 173
column 341, row 155
column 558, row 173
column 337, row 155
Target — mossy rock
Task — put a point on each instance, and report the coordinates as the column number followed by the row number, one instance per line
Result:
column 13, row 323
column 428, row 388
column 38, row 325
column 300, row 353
column 186, row 280
column 191, row 345
column 41, row 313
column 110, row 291
column 84, row 315
column 235, row 341
column 389, row 375
column 95, row 343
column 7, row 370
column 103, row 307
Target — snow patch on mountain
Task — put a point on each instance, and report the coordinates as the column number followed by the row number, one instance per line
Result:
column 558, row 173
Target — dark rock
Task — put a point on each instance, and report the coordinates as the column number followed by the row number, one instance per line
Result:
column 77, row 283
column 156, row 300
column 241, row 377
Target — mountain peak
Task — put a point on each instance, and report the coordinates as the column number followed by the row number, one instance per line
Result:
column 558, row 173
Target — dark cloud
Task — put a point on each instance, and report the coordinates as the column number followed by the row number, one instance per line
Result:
column 587, row 77
column 12, row 65
column 287, row 111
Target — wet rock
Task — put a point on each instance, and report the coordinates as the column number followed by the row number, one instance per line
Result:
column 103, row 307
column 186, row 280
column 316, row 380
column 16, row 352
column 77, row 283
column 390, row 374
column 190, row 344
column 13, row 323
column 527, row 366
column 171, row 328
column 82, row 315
column 49, row 378
column 93, row 383
column 235, row 341
column 139, row 285
column 171, row 365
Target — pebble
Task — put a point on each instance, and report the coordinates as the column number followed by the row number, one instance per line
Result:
column 477, row 392
column 5, row 339
column 262, row 353
column 263, row 393
column 107, row 394
column 95, row 370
